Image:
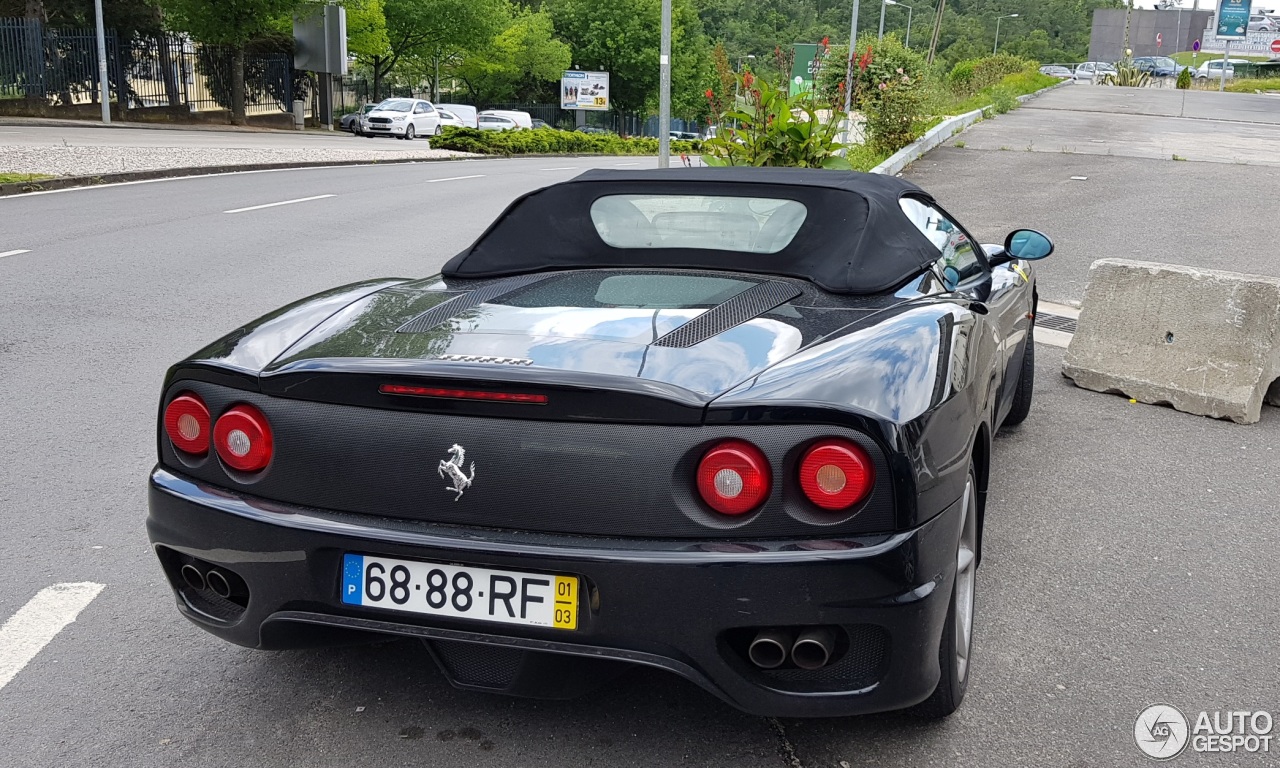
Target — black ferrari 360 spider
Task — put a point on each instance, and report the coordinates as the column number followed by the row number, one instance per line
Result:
column 731, row 423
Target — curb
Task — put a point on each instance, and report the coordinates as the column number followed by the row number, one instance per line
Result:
column 68, row 182
column 943, row 131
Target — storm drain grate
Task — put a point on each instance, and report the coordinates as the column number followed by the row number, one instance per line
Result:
column 1056, row 322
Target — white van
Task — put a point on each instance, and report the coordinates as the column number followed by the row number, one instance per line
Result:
column 465, row 112
column 522, row 119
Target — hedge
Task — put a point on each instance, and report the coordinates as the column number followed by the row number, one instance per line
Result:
column 549, row 141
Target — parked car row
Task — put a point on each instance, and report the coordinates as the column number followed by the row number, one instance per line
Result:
column 407, row 118
column 1156, row 66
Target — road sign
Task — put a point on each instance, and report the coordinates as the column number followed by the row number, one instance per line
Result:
column 1159, row 39
column 1275, row 46
column 1196, row 46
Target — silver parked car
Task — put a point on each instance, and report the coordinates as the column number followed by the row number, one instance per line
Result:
column 1093, row 70
column 402, row 118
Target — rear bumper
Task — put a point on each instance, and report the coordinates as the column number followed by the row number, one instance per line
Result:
column 685, row 606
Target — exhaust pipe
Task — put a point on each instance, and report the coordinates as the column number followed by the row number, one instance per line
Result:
column 218, row 583
column 769, row 649
column 193, row 577
column 813, row 648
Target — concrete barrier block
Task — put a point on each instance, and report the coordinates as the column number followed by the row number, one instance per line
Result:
column 1203, row 341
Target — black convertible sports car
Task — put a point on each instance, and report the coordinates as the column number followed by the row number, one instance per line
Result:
column 732, row 423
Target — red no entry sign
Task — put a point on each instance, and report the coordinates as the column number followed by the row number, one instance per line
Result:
column 1159, row 39
column 1275, row 46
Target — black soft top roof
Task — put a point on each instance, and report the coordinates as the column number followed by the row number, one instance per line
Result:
column 855, row 238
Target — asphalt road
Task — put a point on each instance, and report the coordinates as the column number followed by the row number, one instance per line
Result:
column 43, row 133
column 1129, row 558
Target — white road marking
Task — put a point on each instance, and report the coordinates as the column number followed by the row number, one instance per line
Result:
column 282, row 202
column 39, row 621
column 13, row 253
column 623, row 165
column 457, row 178
column 1061, row 310
column 566, row 168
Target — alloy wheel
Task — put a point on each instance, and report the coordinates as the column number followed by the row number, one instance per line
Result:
column 966, row 572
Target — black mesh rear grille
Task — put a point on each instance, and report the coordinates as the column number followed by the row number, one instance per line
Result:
column 751, row 303
column 441, row 313
column 861, row 664
column 489, row 666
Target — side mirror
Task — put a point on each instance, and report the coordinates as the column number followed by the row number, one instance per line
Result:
column 1027, row 244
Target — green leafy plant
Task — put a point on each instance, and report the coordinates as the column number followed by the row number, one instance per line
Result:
column 1184, row 79
column 1127, row 75
column 774, row 129
column 973, row 75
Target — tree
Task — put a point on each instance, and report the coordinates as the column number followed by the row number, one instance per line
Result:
column 367, row 29
column 519, row 64
column 623, row 38
column 233, row 23
column 434, row 30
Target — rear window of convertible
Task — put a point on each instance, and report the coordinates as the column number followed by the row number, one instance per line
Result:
column 715, row 222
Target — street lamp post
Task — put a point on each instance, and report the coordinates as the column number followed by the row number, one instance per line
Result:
column 848, row 72
column 907, row 42
column 996, row 47
column 664, row 89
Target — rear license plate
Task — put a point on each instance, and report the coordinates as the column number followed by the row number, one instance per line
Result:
column 436, row 589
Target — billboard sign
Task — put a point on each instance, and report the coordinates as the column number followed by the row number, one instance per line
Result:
column 1233, row 19
column 584, row 90
column 805, row 63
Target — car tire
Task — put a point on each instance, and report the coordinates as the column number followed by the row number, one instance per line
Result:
column 1026, row 382
column 439, row 129
column 956, row 647
column 408, row 133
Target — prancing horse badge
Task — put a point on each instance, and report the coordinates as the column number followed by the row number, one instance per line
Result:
column 453, row 467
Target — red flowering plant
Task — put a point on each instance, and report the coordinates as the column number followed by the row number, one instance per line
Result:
column 889, row 88
column 768, row 127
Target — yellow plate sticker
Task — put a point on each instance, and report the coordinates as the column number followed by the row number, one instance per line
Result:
column 566, row 615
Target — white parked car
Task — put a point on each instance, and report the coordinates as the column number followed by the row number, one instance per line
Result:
column 1091, row 70
column 1213, row 69
column 464, row 112
column 402, row 118
column 497, row 123
column 448, row 118
column 521, row 119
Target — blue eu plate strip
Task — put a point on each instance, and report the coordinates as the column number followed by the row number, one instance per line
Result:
column 352, row 579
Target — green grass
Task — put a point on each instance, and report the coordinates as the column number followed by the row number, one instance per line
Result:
column 1011, row 86
column 1254, row 84
column 22, row 178
column 863, row 158
column 1185, row 59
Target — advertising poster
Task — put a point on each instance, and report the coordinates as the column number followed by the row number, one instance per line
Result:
column 1233, row 19
column 804, row 67
column 584, row 90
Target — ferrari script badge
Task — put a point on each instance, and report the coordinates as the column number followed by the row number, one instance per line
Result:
column 452, row 466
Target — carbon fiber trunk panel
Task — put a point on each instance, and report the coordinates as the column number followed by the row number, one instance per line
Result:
column 602, row 479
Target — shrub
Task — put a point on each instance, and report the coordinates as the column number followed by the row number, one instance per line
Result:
column 1004, row 98
column 973, row 75
column 1184, row 79
column 1127, row 75
column 550, row 141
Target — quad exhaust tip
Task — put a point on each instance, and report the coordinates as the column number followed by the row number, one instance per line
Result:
column 193, row 577
column 219, row 584
column 770, row 648
column 813, row 648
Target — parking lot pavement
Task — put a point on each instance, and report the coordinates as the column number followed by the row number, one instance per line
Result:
column 1104, row 184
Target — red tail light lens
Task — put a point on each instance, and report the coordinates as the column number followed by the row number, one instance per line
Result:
column 734, row 477
column 462, row 394
column 243, row 438
column 186, row 421
column 836, row 474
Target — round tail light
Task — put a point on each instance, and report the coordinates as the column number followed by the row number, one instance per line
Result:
column 836, row 474
column 243, row 438
column 186, row 422
column 733, row 477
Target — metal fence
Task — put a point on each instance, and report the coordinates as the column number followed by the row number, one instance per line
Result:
column 60, row 68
